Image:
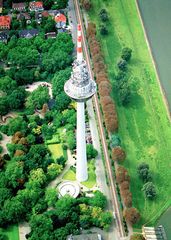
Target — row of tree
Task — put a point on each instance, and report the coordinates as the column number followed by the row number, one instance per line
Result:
column 104, row 86
column 121, row 79
column 130, row 213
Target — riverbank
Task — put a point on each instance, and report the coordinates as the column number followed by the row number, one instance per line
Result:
column 144, row 127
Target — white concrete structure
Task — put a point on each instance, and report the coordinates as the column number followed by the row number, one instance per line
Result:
column 80, row 87
column 69, row 188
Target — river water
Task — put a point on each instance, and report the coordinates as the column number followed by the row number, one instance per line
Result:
column 156, row 15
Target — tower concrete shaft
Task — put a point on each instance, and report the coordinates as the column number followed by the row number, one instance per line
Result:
column 80, row 87
column 81, row 167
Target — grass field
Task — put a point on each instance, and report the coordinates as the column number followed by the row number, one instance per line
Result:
column 11, row 232
column 144, row 128
column 56, row 150
column 70, row 175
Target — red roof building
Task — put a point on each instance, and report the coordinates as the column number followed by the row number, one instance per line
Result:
column 5, row 22
column 36, row 6
column 19, row 6
column 60, row 20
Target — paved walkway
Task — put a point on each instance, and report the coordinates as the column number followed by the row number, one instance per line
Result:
column 6, row 139
column 35, row 85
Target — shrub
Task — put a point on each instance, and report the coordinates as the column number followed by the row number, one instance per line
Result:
column 115, row 140
column 1, row 137
column 137, row 237
column 1, row 149
column 103, row 15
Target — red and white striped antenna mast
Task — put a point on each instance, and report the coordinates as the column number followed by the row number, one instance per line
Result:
column 79, row 44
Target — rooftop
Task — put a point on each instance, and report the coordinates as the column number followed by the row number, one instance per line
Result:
column 36, row 4
column 5, row 20
column 19, row 5
column 60, row 18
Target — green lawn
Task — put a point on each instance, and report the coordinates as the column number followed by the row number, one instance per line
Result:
column 11, row 232
column 70, row 175
column 56, row 150
column 144, row 128
column 55, row 139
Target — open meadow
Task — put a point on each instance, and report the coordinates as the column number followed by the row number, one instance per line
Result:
column 144, row 127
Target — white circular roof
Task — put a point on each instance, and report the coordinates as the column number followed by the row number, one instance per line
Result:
column 69, row 188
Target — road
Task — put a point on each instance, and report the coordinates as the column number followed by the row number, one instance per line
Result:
column 101, row 130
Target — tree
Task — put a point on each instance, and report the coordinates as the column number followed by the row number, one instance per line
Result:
column 59, row 80
column 118, row 154
column 122, row 175
column 115, row 140
column 41, row 225
column 61, row 4
column 65, row 208
column 103, row 30
column 3, row 237
column 13, row 173
column 126, row 54
column 91, row 151
column 51, row 196
column 106, row 220
column 144, row 173
column 86, row 4
column 16, row 99
column 103, row 15
column 17, row 124
column 47, row 4
column 49, row 25
column 122, row 64
column 99, row 200
column 37, row 98
column 54, row 170
column 131, row 215
column 7, row 84
column 137, row 237
column 91, row 29
column 149, row 190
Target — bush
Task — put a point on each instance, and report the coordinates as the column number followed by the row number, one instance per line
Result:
column 91, row 151
column 61, row 161
column 3, row 237
column 1, row 149
column 1, row 137
column 137, row 237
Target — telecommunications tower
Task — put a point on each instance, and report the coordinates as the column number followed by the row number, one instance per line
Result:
column 80, row 87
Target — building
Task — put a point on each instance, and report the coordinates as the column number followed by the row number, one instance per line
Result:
column 80, row 87
column 36, row 6
column 50, row 35
column 5, row 22
column 22, row 16
column 60, row 20
column 1, row 6
column 4, row 37
column 19, row 6
column 28, row 33
column 151, row 233
column 92, row 236
column 45, row 14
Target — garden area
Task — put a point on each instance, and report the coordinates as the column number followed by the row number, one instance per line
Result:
column 144, row 127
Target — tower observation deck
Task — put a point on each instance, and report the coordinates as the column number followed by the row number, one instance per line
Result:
column 80, row 87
